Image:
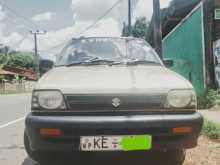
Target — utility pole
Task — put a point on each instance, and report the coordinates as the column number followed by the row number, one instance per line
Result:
column 129, row 18
column 157, row 28
column 37, row 58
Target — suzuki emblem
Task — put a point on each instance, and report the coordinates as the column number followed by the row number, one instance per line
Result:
column 116, row 102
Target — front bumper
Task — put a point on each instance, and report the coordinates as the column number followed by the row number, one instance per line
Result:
column 159, row 126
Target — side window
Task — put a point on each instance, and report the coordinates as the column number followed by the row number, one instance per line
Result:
column 142, row 52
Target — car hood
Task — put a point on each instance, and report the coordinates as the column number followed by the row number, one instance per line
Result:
column 112, row 79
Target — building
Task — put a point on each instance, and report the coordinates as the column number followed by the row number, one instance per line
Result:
column 5, row 73
column 28, row 74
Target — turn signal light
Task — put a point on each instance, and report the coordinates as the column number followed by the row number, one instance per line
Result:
column 182, row 130
column 50, row 132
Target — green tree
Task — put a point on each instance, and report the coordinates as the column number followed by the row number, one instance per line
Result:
column 139, row 29
column 13, row 58
column 2, row 78
column 18, row 78
column 17, row 59
column 3, row 59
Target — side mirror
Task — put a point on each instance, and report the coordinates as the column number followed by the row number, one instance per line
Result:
column 168, row 62
column 45, row 65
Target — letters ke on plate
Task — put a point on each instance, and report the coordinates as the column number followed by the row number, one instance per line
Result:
column 115, row 143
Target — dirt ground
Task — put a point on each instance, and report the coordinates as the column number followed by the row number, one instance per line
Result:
column 207, row 153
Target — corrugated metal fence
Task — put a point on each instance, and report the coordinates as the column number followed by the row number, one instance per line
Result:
column 185, row 45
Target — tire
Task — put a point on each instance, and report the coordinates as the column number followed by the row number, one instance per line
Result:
column 175, row 157
column 39, row 157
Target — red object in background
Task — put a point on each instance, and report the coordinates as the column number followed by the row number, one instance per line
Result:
column 29, row 74
column 4, row 72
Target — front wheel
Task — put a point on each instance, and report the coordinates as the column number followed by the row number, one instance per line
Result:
column 37, row 156
column 175, row 157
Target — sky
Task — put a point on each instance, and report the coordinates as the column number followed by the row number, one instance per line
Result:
column 63, row 20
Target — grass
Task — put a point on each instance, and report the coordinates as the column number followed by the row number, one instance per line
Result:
column 210, row 99
column 211, row 130
column 7, row 92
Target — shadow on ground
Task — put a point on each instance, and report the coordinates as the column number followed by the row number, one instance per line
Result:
column 104, row 159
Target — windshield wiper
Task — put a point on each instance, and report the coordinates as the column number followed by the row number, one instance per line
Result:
column 76, row 63
column 143, row 62
column 95, row 61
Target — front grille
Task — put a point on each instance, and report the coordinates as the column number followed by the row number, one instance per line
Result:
column 108, row 103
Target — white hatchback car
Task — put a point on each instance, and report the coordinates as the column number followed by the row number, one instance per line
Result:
column 112, row 95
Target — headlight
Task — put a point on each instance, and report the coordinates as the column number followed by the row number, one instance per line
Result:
column 47, row 100
column 182, row 99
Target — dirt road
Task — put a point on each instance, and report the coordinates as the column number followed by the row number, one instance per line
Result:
column 207, row 153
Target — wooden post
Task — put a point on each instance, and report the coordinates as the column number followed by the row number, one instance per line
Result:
column 208, row 16
column 157, row 28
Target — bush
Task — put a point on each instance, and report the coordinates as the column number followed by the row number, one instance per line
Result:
column 209, row 99
column 18, row 59
column 211, row 129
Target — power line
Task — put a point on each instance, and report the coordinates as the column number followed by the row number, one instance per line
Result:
column 55, row 47
column 75, row 9
column 11, row 22
column 26, row 19
column 17, row 44
column 100, row 18
column 48, row 52
column 90, row 26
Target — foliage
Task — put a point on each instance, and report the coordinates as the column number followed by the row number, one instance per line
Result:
column 209, row 99
column 211, row 129
column 7, row 78
column 2, row 78
column 18, row 78
column 9, row 57
column 3, row 59
column 7, row 92
column 139, row 29
column 18, row 59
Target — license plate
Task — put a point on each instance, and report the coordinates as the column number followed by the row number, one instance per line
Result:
column 115, row 143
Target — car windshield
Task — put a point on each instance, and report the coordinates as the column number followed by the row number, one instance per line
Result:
column 107, row 51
